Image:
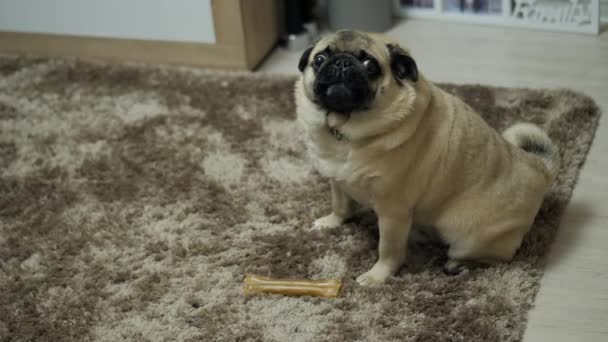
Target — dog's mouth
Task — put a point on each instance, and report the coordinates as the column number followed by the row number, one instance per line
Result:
column 335, row 120
column 341, row 97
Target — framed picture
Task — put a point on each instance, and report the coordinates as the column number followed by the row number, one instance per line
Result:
column 581, row 16
column 418, row 4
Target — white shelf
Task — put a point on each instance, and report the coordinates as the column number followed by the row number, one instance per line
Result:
column 500, row 19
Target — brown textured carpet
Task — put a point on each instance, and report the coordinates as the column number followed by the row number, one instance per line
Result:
column 134, row 199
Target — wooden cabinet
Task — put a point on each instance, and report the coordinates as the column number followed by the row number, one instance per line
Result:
column 245, row 31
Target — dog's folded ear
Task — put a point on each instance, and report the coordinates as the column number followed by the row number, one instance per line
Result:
column 403, row 65
column 304, row 59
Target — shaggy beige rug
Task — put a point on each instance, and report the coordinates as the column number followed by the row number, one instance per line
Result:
column 134, row 199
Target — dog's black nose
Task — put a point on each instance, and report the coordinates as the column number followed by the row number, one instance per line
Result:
column 341, row 85
column 344, row 63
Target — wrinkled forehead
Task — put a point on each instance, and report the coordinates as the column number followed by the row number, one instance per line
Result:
column 351, row 41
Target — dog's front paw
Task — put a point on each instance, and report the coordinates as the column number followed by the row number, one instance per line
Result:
column 454, row 267
column 376, row 276
column 328, row 222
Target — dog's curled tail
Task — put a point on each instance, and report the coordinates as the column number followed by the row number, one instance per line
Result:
column 533, row 139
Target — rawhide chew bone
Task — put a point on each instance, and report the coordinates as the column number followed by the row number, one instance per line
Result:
column 292, row 287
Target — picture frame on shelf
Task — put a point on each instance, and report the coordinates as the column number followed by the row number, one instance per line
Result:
column 580, row 16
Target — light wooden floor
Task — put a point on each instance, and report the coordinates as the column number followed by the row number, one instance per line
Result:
column 572, row 304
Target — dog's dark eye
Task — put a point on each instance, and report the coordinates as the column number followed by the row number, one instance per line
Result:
column 371, row 66
column 319, row 59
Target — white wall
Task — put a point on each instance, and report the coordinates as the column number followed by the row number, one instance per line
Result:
column 169, row 20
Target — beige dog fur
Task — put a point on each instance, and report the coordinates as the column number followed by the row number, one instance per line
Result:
column 419, row 155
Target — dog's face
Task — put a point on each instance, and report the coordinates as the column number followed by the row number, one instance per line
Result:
column 349, row 72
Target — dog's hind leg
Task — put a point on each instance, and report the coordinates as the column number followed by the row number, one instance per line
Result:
column 500, row 248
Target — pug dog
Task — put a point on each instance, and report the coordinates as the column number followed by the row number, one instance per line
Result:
column 386, row 137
